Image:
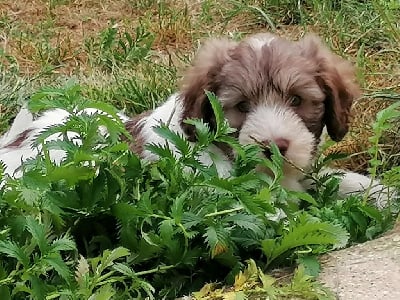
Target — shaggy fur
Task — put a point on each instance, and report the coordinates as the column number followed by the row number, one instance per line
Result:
column 271, row 90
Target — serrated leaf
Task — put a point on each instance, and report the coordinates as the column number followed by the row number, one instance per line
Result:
column 247, row 278
column 223, row 184
column 190, row 220
column 126, row 212
column 11, row 249
column 59, row 265
column 124, row 269
column 177, row 206
column 102, row 107
column 249, row 222
column 179, row 141
column 53, row 136
column 220, row 120
column 203, row 134
column 39, row 233
column 305, row 231
column 30, row 196
column 151, row 239
column 109, row 257
column 62, row 244
column 311, row 265
column 305, row 197
column 217, row 239
column 105, row 292
column 115, row 128
column 38, row 287
column 82, row 270
column 372, row 212
column 72, row 174
column 161, row 151
column 389, row 112
column 51, row 97
column 166, row 230
column 255, row 205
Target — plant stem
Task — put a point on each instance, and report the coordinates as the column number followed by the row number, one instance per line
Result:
column 155, row 270
column 223, row 212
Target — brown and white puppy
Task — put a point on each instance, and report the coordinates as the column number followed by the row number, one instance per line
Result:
column 271, row 90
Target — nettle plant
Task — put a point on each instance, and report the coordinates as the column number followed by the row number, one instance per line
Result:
column 104, row 224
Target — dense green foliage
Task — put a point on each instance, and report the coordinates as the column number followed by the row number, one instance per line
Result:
column 106, row 224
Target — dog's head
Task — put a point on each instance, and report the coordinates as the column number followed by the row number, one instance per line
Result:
column 272, row 89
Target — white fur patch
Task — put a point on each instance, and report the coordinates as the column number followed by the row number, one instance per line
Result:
column 270, row 123
column 261, row 40
column 13, row 157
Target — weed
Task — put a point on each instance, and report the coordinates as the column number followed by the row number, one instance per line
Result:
column 137, row 91
column 116, row 48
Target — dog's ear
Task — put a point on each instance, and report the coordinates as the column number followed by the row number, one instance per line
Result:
column 203, row 76
column 336, row 77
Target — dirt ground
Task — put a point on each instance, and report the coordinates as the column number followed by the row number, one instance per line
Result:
column 366, row 271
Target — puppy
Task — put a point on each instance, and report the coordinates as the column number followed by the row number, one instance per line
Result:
column 271, row 90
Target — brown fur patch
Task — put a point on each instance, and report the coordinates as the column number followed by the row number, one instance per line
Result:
column 19, row 140
column 137, row 146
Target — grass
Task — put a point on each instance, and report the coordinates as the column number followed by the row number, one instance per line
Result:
column 131, row 54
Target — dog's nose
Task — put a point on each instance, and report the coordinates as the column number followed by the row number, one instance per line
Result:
column 282, row 144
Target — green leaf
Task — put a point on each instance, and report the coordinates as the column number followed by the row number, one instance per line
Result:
column 311, row 265
column 126, row 212
column 220, row 120
column 305, row 197
column 109, row 257
column 161, row 151
column 124, row 269
column 203, row 134
column 13, row 250
column 180, row 142
column 246, row 221
column 62, row 244
column 225, row 185
column 372, row 212
column 72, row 174
column 167, row 230
column 38, row 287
column 103, row 107
column 5, row 293
column 178, row 206
column 30, row 196
column 106, row 292
column 255, row 205
column 59, row 265
column 39, row 234
column 217, row 239
column 190, row 220
column 66, row 97
column 306, row 231
column 388, row 113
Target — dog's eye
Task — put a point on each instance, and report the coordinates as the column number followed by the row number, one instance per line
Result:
column 295, row 101
column 243, row 106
